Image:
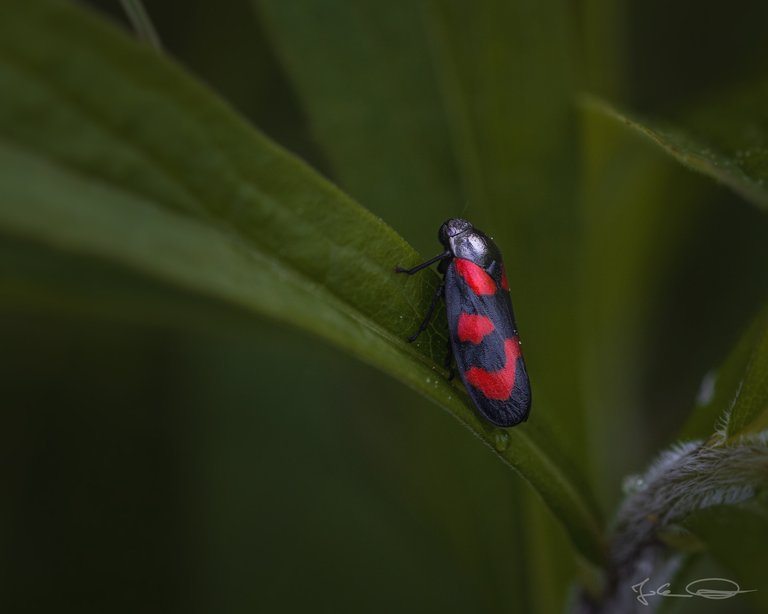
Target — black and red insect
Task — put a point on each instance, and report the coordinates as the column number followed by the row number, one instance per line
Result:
column 482, row 330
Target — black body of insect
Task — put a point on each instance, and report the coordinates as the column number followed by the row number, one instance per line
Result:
column 482, row 330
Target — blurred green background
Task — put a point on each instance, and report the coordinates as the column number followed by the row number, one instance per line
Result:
column 163, row 451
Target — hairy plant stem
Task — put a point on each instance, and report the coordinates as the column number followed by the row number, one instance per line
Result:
column 684, row 479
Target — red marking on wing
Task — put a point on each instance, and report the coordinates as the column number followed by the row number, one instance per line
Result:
column 504, row 282
column 476, row 277
column 497, row 385
column 473, row 328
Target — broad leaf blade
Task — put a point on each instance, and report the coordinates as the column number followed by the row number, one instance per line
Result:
column 109, row 151
column 726, row 140
column 443, row 90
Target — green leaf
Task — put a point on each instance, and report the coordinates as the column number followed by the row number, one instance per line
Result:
column 734, row 399
column 749, row 409
column 726, row 139
column 407, row 80
column 491, row 85
column 109, row 151
column 364, row 74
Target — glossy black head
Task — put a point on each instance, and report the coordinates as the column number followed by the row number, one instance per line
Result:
column 452, row 228
column 465, row 241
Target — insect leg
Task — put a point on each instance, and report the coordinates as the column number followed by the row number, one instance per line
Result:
column 423, row 265
column 430, row 312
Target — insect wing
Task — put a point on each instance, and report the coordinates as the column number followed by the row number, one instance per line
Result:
column 485, row 344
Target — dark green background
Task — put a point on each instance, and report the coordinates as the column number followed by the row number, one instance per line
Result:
column 164, row 452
